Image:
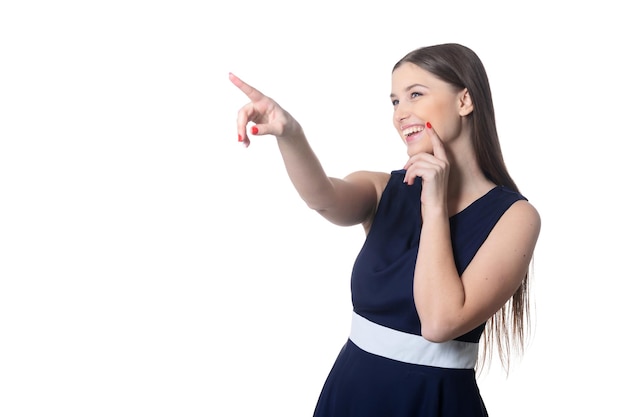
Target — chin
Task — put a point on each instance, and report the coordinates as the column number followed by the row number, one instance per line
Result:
column 415, row 149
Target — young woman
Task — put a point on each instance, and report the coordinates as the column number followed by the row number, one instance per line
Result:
column 449, row 240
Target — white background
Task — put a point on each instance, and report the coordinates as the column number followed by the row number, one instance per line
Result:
column 152, row 266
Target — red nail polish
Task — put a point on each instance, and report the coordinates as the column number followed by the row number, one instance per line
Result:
column 255, row 130
column 428, row 125
column 239, row 138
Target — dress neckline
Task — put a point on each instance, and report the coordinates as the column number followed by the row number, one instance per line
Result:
column 469, row 206
column 477, row 201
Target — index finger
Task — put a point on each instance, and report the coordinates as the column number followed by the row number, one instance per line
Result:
column 252, row 93
column 439, row 151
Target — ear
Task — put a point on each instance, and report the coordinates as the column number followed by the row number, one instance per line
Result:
column 466, row 105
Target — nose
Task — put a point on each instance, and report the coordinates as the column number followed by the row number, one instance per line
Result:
column 400, row 113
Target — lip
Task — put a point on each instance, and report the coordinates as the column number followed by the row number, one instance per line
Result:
column 403, row 127
column 414, row 137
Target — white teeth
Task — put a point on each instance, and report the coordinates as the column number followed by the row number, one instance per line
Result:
column 411, row 130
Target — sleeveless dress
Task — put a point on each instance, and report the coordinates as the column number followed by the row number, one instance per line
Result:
column 386, row 369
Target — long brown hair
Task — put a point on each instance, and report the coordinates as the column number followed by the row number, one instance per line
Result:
column 461, row 67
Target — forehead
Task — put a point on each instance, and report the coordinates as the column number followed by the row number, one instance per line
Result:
column 409, row 74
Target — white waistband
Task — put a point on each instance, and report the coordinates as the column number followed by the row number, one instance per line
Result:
column 411, row 348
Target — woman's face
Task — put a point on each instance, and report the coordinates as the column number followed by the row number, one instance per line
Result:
column 419, row 97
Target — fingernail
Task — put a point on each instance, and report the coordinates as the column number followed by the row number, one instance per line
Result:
column 239, row 138
column 428, row 125
column 255, row 130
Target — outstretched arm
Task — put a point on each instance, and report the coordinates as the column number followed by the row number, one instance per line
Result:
column 348, row 201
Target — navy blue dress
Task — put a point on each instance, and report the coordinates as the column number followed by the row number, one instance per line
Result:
column 386, row 369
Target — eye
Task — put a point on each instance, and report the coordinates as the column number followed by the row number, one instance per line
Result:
column 394, row 102
column 415, row 94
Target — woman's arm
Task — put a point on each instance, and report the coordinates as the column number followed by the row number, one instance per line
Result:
column 348, row 201
column 450, row 305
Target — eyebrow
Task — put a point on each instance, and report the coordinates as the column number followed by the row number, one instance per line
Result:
column 408, row 88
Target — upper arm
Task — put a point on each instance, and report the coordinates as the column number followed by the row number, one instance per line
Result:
column 500, row 265
column 355, row 198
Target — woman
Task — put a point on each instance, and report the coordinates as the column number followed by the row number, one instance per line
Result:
column 448, row 246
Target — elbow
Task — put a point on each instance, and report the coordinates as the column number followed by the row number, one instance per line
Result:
column 434, row 336
column 321, row 205
column 437, row 332
column 317, row 207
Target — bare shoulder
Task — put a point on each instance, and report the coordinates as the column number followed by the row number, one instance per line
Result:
column 523, row 215
column 514, row 236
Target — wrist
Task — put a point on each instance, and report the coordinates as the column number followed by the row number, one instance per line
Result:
column 434, row 212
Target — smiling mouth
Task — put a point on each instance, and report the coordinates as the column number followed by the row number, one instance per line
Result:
column 412, row 131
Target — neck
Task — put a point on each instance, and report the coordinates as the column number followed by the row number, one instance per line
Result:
column 466, row 181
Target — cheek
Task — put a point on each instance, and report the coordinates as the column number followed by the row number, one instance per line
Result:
column 448, row 128
column 445, row 114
